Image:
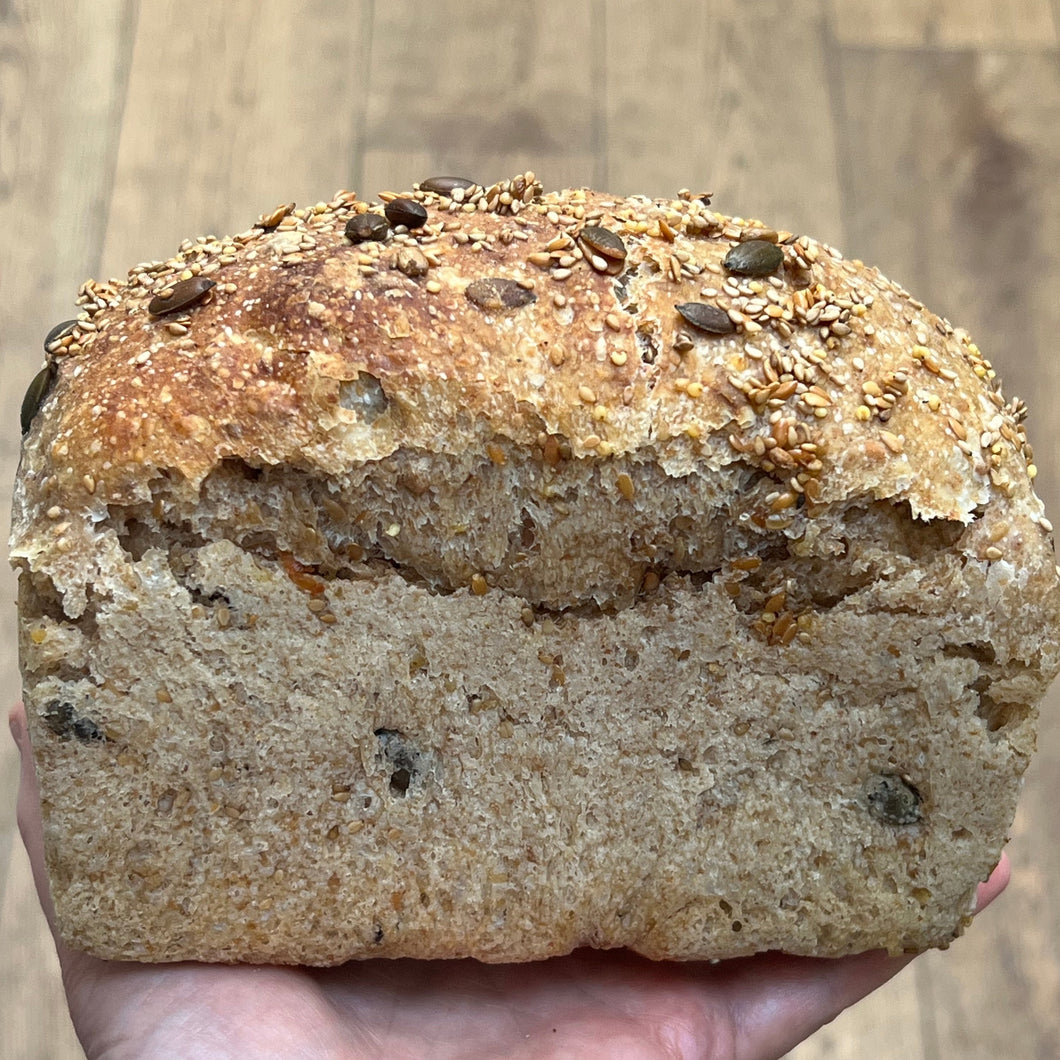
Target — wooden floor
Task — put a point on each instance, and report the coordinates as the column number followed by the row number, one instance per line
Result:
column 920, row 135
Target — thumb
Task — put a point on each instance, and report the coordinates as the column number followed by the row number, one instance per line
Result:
column 29, row 811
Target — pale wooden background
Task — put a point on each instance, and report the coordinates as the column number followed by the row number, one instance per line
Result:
column 922, row 136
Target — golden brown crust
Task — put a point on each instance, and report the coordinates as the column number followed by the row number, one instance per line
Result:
column 852, row 385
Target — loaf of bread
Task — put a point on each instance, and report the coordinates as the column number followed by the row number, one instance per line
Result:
column 486, row 572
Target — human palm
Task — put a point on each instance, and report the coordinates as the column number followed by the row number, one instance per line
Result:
column 587, row 1005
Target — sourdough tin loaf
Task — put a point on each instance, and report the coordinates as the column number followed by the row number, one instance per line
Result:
column 489, row 572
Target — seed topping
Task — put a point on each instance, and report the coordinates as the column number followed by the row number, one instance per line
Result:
column 182, row 295
column 412, row 262
column 406, row 212
column 57, row 334
column 446, row 185
column 496, row 293
column 706, row 317
column 605, row 250
column 756, row 257
column 274, row 217
column 367, row 228
column 35, row 394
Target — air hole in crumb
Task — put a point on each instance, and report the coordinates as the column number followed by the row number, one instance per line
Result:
column 999, row 715
column 892, row 799
column 365, row 396
column 647, row 345
column 405, row 762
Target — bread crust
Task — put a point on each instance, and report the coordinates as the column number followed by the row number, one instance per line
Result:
column 752, row 603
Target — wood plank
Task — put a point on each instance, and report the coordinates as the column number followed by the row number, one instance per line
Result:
column 711, row 95
column 1001, row 997
column 951, row 183
column 246, row 105
column 1029, row 24
column 484, row 91
column 886, row 1024
column 954, row 191
column 57, row 141
column 34, row 1022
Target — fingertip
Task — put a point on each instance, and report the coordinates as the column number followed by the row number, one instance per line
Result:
column 16, row 722
column 997, row 881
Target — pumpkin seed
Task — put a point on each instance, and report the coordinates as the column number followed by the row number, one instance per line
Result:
column 406, row 212
column 604, row 249
column 59, row 332
column 756, row 257
column 181, row 295
column 706, row 317
column 367, row 227
column 892, row 799
column 36, row 392
column 495, row 293
column 604, row 242
column 446, row 185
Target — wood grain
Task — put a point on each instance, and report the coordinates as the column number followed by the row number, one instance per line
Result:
column 953, row 148
column 683, row 107
column 483, row 90
column 63, row 68
column 245, row 106
column 1028, row 24
column 922, row 136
